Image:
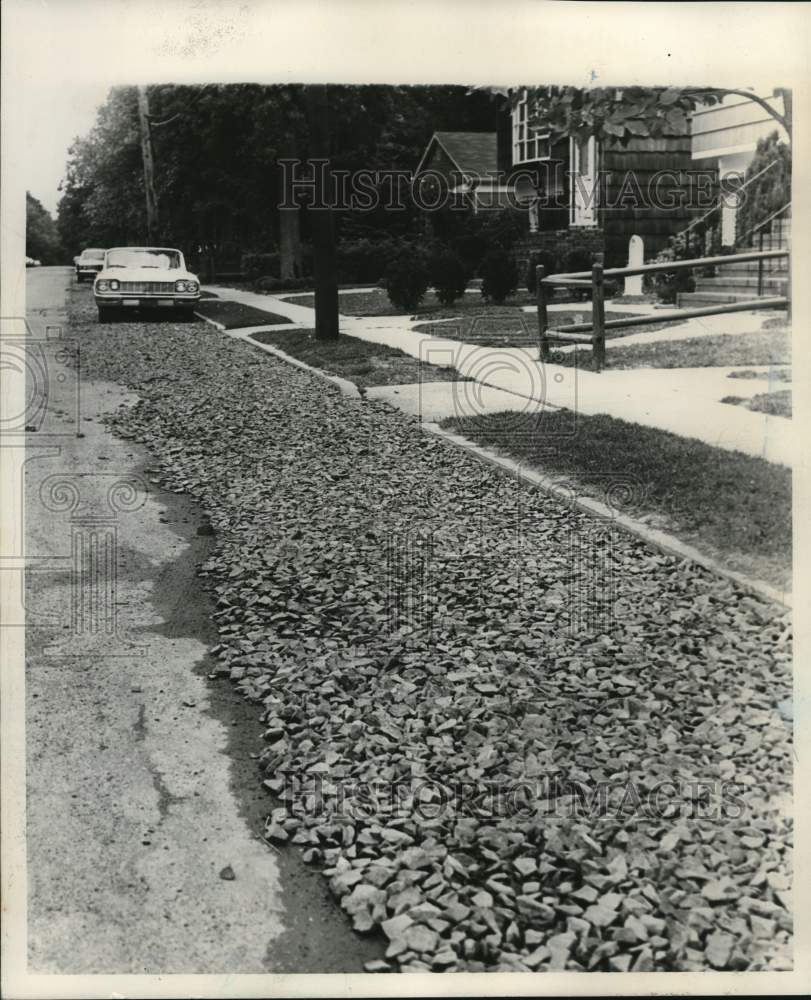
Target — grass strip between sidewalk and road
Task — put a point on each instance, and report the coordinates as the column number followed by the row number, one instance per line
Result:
column 235, row 315
column 362, row 362
column 732, row 506
column 760, row 347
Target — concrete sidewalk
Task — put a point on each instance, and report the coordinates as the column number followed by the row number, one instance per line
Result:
column 684, row 401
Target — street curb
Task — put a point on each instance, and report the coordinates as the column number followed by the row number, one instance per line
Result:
column 246, row 336
column 212, row 322
column 347, row 388
column 659, row 539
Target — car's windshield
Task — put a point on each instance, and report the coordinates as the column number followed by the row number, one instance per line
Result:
column 162, row 260
column 93, row 254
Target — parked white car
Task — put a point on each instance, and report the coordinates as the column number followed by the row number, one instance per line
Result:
column 88, row 264
column 144, row 277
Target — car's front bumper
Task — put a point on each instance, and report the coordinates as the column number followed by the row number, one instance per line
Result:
column 141, row 301
column 87, row 272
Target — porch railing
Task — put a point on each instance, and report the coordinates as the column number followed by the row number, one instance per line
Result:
column 593, row 333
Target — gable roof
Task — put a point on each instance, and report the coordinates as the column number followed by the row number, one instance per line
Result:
column 472, row 152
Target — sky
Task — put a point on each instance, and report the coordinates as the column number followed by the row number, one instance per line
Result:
column 55, row 116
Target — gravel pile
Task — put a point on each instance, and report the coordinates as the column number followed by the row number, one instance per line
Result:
column 499, row 763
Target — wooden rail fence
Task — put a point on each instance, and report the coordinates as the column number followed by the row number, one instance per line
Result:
column 578, row 333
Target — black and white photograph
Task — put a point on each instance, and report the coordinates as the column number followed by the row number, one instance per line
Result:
column 403, row 498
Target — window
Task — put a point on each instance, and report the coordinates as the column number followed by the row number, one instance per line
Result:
column 528, row 144
column 584, row 182
column 161, row 260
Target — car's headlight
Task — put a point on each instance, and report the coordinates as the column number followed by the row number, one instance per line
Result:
column 191, row 286
column 180, row 286
column 102, row 285
column 114, row 285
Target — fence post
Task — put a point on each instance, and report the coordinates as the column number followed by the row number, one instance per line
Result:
column 597, row 317
column 760, row 266
column 636, row 257
column 543, row 323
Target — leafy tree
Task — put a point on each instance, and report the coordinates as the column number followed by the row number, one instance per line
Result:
column 619, row 113
column 41, row 236
column 216, row 151
column 769, row 192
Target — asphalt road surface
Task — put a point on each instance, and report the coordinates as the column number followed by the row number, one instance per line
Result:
column 144, row 807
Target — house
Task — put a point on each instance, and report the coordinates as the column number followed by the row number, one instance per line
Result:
column 726, row 134
column 577, row 198
column 463, row 160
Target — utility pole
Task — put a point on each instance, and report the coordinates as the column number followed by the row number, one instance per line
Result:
column 149, row 167
column 321, row 221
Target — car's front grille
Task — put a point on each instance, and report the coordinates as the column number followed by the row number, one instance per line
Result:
column 148, row 287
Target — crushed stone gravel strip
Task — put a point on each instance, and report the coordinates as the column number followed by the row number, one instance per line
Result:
column 511, row 738
column 653, row 536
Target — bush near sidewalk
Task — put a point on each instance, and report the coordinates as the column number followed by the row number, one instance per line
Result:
column 723, row 502
column 406, row 278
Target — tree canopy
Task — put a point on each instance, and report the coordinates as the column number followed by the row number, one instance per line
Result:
column 616, row 114
column 41, row 236
column 215, row 150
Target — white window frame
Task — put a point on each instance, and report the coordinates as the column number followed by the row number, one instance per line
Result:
column 527, row 146
column 583, row 211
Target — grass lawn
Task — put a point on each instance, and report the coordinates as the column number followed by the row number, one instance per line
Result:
column 727, row 504
column 760, row 347
column 361, row 362
column 376, row 303
column 774, row 374
column 234, row 315
column 506, row 326
column 777, row 403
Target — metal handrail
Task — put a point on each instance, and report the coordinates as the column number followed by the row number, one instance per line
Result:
column 765, row 222
column 715, row 208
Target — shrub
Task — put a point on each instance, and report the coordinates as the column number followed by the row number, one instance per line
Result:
column 545, row 258
column 769, row 192
column 582, row 260
column 260, row 265
column 406, row 278
column 448, row 275
column 499, row 274
column 667, row 284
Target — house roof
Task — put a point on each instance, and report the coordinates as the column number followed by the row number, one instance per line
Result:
column 472, row 152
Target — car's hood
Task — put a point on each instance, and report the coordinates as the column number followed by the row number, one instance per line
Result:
column 146, row 274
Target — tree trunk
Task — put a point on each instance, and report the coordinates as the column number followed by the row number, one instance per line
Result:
column 149, row 167
column 324, row 263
